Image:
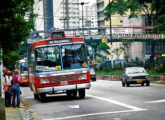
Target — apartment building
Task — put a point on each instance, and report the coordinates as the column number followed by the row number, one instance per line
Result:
column 65, row 14
column 118, row 22
column 90, row 17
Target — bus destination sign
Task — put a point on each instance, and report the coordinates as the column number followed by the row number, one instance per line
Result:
column 57, row 34
column 58, row 41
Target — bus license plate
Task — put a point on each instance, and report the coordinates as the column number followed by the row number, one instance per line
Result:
column 64, row 83
column 139, row 81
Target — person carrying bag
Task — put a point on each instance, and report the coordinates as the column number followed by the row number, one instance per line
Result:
column 8, row 88
column 16, row 88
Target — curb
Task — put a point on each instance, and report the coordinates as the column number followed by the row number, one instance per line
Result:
column 16, row 113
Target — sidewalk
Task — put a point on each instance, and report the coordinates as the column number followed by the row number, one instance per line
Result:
column 16, row 113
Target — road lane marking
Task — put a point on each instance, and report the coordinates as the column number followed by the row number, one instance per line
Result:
column 156, row 101
column 91, row 114
column 133, row 109
column 74, row 106
column 118, row 103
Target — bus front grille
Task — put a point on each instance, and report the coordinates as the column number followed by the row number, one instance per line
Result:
column 63, row 78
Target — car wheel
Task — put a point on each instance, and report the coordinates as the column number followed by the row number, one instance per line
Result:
column 142, row 84
column 148, row 83
column 123, row 84
column 127, row 84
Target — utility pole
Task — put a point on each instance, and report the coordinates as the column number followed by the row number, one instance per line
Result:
column 48, row 15
column 67, row 14
column 110, row 32
column 110, row 23
column 82, row 3
column 2, row 99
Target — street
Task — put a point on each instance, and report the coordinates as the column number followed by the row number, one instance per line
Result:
column 106, row 100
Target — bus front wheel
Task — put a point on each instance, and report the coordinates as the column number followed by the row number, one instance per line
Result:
column 42, row 97
column 36, row 96
column 81, row 93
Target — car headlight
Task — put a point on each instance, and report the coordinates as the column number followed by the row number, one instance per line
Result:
column 44, row 80
column 80, row 77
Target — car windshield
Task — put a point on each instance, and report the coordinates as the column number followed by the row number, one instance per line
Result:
column 135, row 70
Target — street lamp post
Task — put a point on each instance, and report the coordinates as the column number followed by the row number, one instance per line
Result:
column 110, row 23
column 82, row 3
column 110, row 31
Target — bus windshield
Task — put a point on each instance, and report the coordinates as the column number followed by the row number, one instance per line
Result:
column 23, row 67
column 50, row 58
column 74, row 56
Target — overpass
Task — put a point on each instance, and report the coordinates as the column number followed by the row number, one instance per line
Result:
column 34, row 36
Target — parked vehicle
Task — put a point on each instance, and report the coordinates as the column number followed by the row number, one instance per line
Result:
column 135, row 75
column 92, row 74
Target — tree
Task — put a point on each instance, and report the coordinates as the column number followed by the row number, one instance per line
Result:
column 126, row 48
column 14, row 28
column 118, row 51
column 103, row 47
column 135, row 7
column 158, row 5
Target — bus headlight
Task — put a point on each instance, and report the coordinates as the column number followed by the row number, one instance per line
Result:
column 80, row 77
column 44, row 80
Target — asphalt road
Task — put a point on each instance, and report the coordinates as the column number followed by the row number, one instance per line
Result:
column 106, row 100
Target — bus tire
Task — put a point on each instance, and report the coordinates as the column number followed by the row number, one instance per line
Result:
column 42, row 97
column 74, row 93
column 81, row 93
column 68, row 93
column 36, row 96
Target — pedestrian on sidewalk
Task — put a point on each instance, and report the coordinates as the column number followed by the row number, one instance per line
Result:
column 8, row 88
column 16, row 88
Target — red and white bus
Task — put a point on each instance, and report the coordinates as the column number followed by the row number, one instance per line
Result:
column 58, row 64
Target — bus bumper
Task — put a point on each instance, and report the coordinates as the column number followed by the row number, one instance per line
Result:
column 63, row 88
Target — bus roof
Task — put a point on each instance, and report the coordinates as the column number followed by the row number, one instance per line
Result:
column 58, row 38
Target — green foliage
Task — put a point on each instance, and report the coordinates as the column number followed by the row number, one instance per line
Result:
column 9, row 59
column 14, row 28
column 161, row 24
column 103, row 47
column 115, row 72
column 122, row 7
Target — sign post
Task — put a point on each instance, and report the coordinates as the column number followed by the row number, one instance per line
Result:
column 2, row 99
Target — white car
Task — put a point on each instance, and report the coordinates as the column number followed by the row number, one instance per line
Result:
column 135, row 75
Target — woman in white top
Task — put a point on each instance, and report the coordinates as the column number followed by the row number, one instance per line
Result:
column 8, row 78
column 8, row 93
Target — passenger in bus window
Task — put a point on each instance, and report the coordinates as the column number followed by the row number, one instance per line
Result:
column 67, row 59
column 75, row 61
